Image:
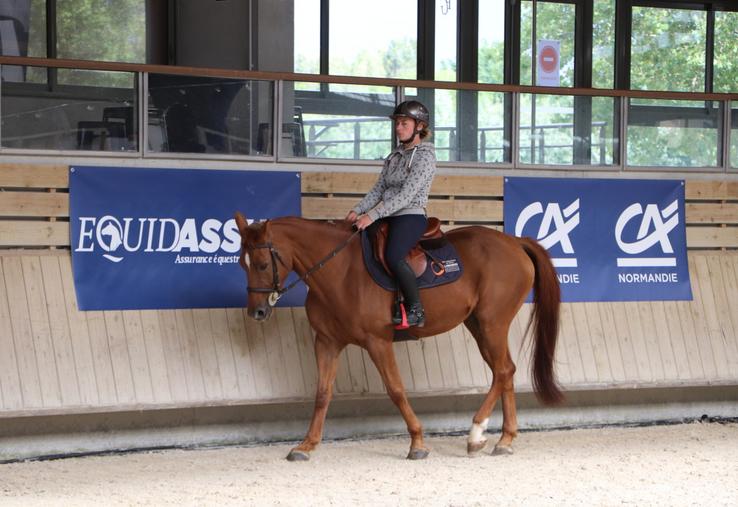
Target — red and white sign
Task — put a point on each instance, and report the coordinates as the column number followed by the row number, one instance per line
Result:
column 548, row 63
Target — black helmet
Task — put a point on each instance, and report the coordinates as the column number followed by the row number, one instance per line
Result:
column 412, row 109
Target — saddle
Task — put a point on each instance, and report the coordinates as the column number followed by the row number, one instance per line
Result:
column 417, row 258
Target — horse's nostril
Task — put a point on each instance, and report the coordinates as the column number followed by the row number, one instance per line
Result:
column 259, row 314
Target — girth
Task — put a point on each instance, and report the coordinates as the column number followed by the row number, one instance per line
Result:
column 416, row 258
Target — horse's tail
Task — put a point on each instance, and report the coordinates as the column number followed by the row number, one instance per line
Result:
column 545, row 321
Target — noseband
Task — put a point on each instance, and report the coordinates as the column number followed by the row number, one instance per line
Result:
column 275, row 292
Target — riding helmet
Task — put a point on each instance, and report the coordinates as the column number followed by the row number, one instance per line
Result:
column 412, row 109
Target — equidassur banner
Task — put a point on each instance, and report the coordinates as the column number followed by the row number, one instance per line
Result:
column 610, row 240
column 166, row 238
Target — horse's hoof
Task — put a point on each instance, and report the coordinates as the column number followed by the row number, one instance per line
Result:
column 502, row 450
column 418, row 454
column 296, row 455
column 473, row 448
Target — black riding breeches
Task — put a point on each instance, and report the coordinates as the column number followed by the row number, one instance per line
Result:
column 404, row 232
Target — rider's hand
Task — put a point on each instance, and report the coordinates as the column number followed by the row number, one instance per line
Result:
column 363, row 222
column 352, row 216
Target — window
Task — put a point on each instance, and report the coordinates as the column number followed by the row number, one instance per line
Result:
column 491, row 58
column 668, row 49
column 102, row 30
column 674, row 133
column 307, row 36
column 80, row 117
column 351, row 122
column 190, row 114
column 555, row 22
column 357, row 50
column 23, row 33
column 603, row 44
column 726, row 52
column 445, row 58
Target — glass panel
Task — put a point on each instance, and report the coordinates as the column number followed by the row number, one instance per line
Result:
column 668, row 49
column 494, row 140
column 189, row 114
column 726, row 52
column 734, row 138
column 673, row 133
column 375, row 39
column 350, row 122
column 466, row 125
column 445, row 62
column 566, row 130
column 491, row 58
column 603, row 44
column 554, row 22
column 23, row 33
column 82, row 117
column 102, row 30
column 307, row 40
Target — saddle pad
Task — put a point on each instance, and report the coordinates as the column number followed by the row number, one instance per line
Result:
column 446, row 254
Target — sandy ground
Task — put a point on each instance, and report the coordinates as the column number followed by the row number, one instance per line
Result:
column 687, row 464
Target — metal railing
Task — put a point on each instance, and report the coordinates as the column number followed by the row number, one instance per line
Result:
column 318, row 139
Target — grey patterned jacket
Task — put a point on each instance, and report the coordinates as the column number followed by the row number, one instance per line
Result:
column 403, row 184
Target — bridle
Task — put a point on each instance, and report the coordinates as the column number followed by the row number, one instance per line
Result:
column 275, row 292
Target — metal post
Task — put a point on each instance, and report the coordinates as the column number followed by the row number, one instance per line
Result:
column 277, row 120
column 515, row 129
column 533, row 59
column 623, row 150
column 357, row 140
column 725, row 137
column 143, row 113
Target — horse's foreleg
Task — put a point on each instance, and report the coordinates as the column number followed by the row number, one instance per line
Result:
column 326, row 355
column 383, row 356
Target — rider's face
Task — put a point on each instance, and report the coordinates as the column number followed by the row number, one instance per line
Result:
column 404, row 127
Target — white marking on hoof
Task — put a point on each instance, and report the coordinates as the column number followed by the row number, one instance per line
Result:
column 474, row 448
column 476, row 432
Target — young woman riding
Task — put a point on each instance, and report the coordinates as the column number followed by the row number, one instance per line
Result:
column 399, row 197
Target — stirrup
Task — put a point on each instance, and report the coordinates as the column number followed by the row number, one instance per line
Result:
column 400, row 319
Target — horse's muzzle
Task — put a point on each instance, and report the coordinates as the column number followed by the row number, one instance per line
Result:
column 260, row 312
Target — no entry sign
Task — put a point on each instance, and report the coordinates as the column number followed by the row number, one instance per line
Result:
column 547, row 72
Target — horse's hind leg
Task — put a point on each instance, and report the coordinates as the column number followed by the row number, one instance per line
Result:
column 492, row 342
column 383, row 356
column 326, row 355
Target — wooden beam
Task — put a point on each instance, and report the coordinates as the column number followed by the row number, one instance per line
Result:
column 34, row 204
column 34, row 176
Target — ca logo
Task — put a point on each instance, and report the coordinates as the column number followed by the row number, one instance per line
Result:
column 652, row 220
column 562, row 223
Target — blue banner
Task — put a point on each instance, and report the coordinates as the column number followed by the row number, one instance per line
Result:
column 610, row 240
column 166, row 238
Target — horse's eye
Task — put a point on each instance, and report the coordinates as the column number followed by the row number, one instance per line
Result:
column 261, row 267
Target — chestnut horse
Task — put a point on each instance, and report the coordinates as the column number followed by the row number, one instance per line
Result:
column 345, row 306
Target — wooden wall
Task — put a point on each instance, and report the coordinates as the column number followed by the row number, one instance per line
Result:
column 56, row 359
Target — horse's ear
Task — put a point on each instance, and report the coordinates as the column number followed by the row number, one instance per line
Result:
column 241, row 223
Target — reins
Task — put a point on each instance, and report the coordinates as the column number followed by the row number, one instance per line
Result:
column 275, row 293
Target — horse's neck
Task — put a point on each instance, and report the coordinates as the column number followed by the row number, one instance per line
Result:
column 311, row 242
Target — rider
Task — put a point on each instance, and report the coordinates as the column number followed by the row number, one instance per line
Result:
column 399, row 197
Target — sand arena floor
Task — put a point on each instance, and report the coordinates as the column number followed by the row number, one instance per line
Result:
column 686, row 464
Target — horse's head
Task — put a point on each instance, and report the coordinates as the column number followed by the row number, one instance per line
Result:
column 265, row 265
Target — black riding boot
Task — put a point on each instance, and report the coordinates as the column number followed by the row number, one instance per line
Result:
column 409, row 287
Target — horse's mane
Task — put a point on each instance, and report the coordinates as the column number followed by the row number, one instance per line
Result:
column 338, row 228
